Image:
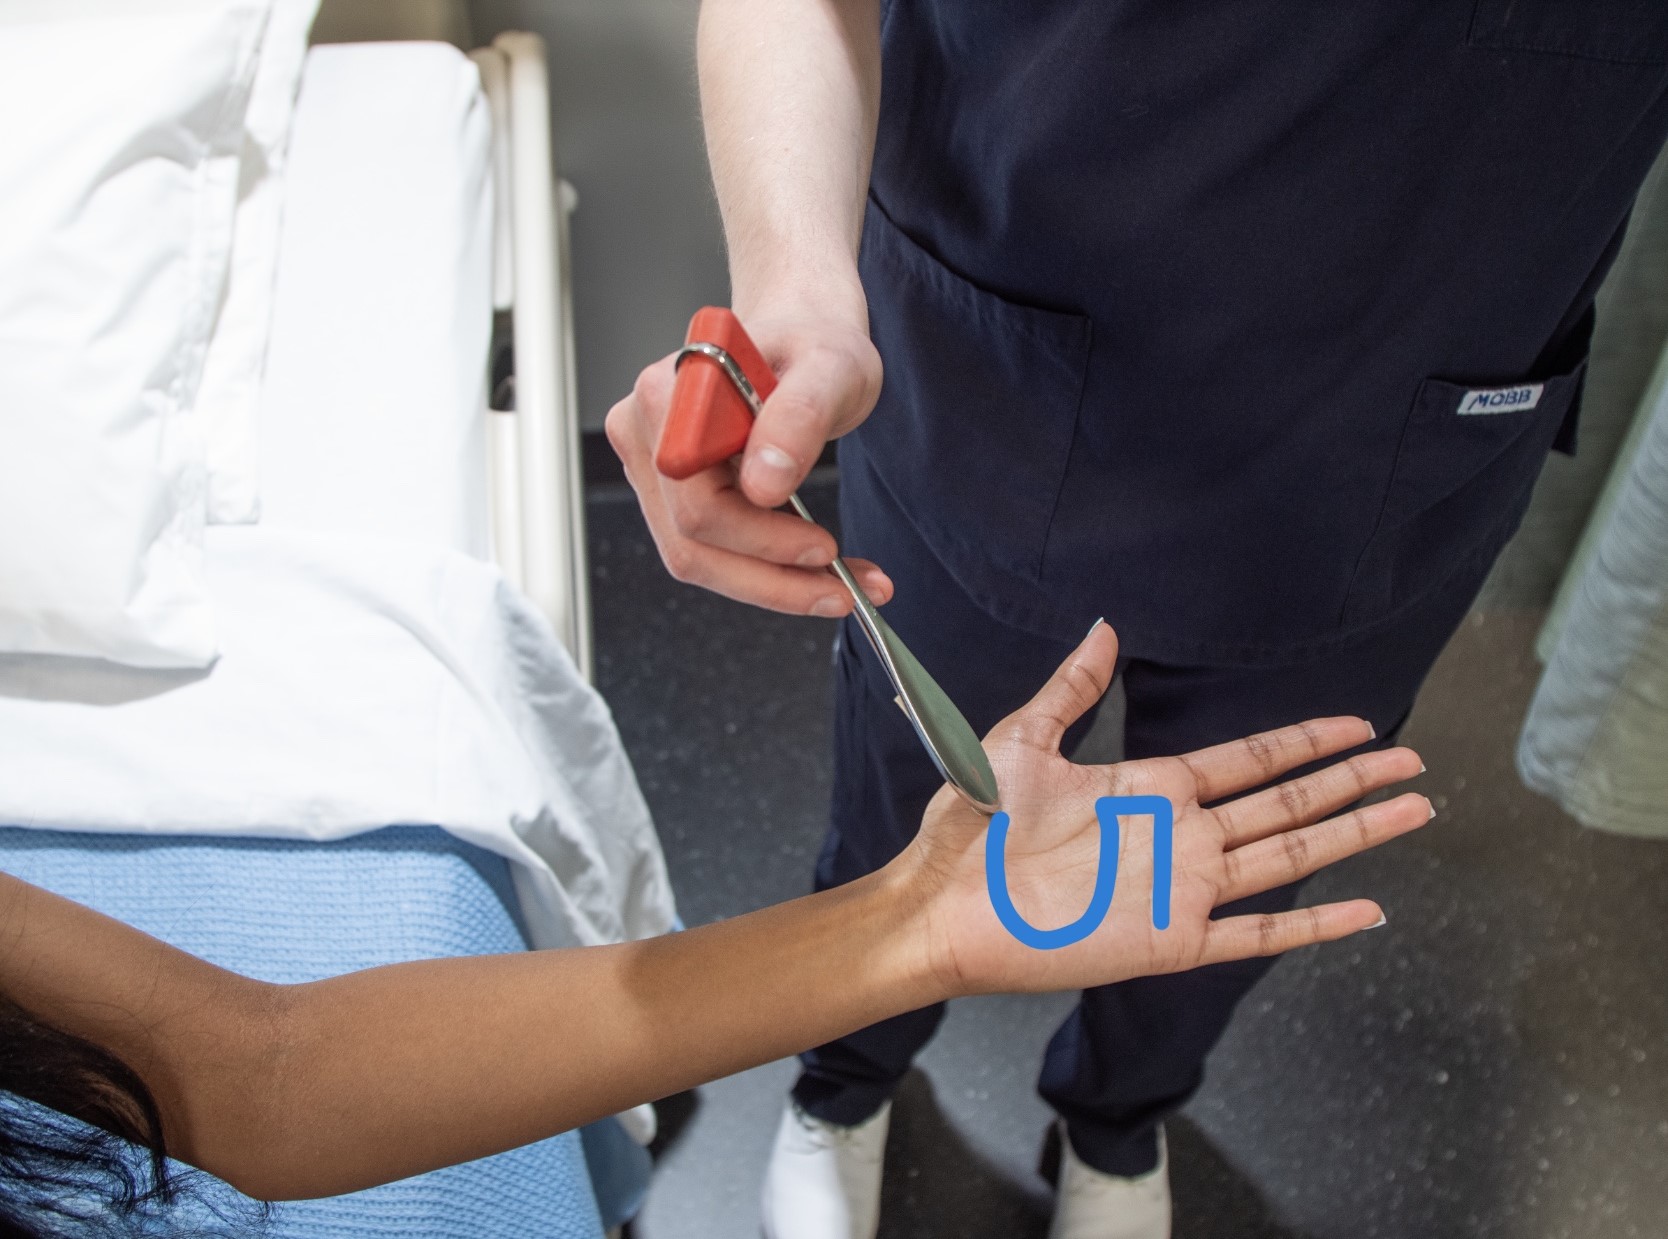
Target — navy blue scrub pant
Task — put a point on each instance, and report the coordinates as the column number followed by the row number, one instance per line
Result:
column 1132, row 1052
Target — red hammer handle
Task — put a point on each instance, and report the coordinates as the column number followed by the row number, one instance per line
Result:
column 710, row 419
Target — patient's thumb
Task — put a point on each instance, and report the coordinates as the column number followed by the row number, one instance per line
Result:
column 1071, row 692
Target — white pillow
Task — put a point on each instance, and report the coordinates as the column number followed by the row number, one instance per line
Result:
column 118, row 180
column 228, row 398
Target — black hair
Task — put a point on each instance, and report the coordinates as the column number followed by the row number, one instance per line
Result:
column 82, row 1151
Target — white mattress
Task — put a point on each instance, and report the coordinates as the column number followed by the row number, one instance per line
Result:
column 372, row 417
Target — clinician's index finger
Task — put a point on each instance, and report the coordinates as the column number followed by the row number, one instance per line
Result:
column 1241, row 765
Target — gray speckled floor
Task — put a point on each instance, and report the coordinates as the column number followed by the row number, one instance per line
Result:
column 1494, row 1063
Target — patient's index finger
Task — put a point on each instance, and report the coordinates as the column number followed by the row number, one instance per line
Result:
column 1239, row 765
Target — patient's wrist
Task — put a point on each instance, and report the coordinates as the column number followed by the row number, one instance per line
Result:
column 911, row 953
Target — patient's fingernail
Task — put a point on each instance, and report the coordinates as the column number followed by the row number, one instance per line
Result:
column 1381, row 921
column 1372, row 732
column 1421, row 767
column 1094, row 626
column 816, row 557
column 831, row 607
column 1432, row 808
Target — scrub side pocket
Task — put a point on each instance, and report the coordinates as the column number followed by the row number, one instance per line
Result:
column 979, row 406
column 1464, row 473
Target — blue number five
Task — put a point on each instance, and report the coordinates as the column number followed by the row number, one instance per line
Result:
column 1108, row 809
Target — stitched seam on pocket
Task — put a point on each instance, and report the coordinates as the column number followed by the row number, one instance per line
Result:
column 1062, row 340
column 923, row 266
column 1071, row 448
column 1384, row 507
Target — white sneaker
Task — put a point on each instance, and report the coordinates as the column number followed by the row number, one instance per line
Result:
column 823, row 1181
column 1091, row 1204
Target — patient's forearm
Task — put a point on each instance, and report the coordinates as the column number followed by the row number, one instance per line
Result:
column 404, row 1068
column 339, row 1084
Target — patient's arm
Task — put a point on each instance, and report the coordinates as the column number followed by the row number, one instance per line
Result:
column 314, row 1089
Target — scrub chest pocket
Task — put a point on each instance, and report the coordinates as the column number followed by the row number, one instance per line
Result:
column 1464, row 472
column 979, row 405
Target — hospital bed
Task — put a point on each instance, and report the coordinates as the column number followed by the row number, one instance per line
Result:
column 418, row 396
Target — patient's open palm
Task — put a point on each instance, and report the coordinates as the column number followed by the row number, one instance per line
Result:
column 1221, row 853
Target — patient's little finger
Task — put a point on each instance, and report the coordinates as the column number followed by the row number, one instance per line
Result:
column 1241, row 937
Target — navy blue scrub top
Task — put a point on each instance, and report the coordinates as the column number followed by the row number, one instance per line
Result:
column 1248, row 325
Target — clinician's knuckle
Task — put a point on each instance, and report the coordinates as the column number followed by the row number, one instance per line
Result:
column 618, row 425
column 858, row 394
column 681, row 563
column 695, row 517
column 874, row 374
column 653, row 387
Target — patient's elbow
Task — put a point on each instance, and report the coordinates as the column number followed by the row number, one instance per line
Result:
column 235, row 1111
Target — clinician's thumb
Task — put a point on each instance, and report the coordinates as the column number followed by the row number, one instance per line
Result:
column 822, row 393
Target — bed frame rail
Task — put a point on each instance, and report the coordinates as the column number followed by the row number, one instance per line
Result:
column 536, row 478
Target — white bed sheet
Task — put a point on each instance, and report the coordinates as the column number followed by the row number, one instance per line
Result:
column 372, row 416
column 375, row 669
column 363, row 682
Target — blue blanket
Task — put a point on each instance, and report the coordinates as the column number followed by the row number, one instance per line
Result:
column 295, row 911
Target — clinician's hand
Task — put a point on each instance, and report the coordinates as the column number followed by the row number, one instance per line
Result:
column 1240, row 848
column 719, row 529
